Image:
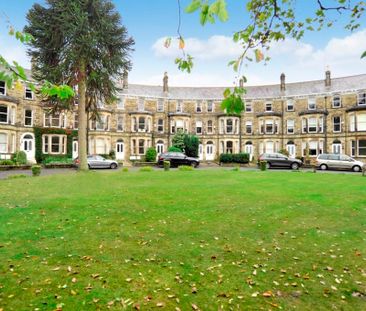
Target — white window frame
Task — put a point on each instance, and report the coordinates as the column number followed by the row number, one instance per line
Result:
column 4, row 145
column 25, row 118
column 28, row 90
column 290, row 128
column 267, row 123
column 248, row 107
column 210, row 106
column 313, row 125
column 7, row 114
column 361, row 99
column 209, row 127
column 232, row 126
column 334, row 124
column 160, row 105
column 62, row 145
column 270, row 105
column 120, row 123
column 160, row 126
column 2, row 88
column 290, row 102
column 311, row 103
column 337, row 101
column 199, row 125
column 249, row 125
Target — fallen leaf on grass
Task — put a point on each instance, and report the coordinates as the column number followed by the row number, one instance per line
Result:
column 267, row 294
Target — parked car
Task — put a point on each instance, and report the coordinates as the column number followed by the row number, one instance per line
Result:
column 338, row 161
column 97, row 161
column 280, row 160
column 177, row 159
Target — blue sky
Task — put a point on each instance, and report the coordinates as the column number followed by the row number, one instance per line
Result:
column 149, row 22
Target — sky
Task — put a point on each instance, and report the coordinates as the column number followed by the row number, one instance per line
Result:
column 150, row 22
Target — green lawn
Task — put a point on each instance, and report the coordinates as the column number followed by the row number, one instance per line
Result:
column 213, row 240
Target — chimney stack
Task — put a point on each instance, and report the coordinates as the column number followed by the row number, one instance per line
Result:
column 328, row 81
column 125, row 79
column 283, row 82
column 241, row 83
column 165, row 83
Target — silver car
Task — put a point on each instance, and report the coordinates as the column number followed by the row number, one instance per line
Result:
column 97, row 161
column 338, row 161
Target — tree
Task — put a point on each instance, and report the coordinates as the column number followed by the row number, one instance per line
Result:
column 80, row 43
column 191, row 145
column 178, row 140
column 268, row 21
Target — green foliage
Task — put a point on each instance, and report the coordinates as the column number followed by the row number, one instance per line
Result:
column 57, row 160
column 146, row 169
column 233, row 102
column 19, row 158
column 241, row 158
column 209, row 12
column 284, row 152
column 39, row 131
column 150, row 155
column 263, row 165
column 191, row 145
column 185, row 63
column 174, row 149
column 178, row 140
column 125, row 169
column 166, row 165
column 185, row 168
column 36, row 170
column 363, row 54
column 88, row 32
column 236, row 168
column 7, row 162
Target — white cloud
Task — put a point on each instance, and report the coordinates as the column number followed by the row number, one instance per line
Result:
column 13, row 50
column 215, row 47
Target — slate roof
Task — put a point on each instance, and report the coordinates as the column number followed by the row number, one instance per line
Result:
column 344, row 84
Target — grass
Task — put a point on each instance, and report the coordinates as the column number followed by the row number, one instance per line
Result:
column 202, row 239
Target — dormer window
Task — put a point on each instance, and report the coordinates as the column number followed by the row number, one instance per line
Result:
column 28, row 93
column 2, row 88
column 361, row 99
column 337, row 102
column 269, row 107
column 311, row 104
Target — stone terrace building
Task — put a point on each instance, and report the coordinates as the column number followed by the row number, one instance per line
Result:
column 307, row 117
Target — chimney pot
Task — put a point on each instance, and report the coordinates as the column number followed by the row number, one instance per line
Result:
column 283, row 82
column 165, row 83
column 328, row 80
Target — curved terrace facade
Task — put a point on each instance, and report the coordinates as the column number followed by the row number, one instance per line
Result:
column 312, row 117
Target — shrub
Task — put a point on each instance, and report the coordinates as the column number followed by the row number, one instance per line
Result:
column 174, row 149
column 7, row 162
column 178, row 140
column 166, row 165
column 185, row 168
column 150, row 155
column 191, row 145
column 57, row 159
column 263, row 165
column 36, row 170
column 240, row 158
column 284, row 152
column 125, row 169
column 19, row 158
column 236, row 168
column 146, row 169
column 112, row 155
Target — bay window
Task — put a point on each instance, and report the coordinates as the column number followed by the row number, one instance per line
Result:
column 269, row 127
column 54, row 144
column 141, row 146
column 358, row 148
column 229, row 126
column 312, row 125
column 141, row 125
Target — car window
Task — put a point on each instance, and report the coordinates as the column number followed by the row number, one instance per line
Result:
column 323, row 157
column 99, row 158
column 333, row 157
column 344, row 157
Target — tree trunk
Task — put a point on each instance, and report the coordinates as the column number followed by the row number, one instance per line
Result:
column 83, row 165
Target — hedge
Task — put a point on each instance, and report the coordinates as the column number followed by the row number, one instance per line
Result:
column 240, row 158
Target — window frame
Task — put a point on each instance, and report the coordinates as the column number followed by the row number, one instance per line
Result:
column 335, row 124
column 160, row 105
column 3, row 88
column 290, row 102
column 62, row 144
column 210, row 104
column 311, row 102
column 28, row 90
column 250, row 106
column 25, row 118
column 270, row 105
column 160, row 126
column 289, row 127
column 7, row 114
column 339, row 101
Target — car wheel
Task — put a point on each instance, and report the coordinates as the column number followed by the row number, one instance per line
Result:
column 323, row 167
column 295, row 166
column 356, row 168
column 113, row 166
column 268, row 165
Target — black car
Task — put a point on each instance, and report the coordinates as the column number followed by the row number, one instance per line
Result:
column 280, row 160
column 177, row 159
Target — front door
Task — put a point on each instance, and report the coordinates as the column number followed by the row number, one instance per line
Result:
column 210, row 152
column 200, row 151
column 75, row 149
column 120, row 151
column 249, row 149
column 27, row 145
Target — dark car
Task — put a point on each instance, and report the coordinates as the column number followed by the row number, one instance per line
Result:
column 177, row 159
column 280, row 160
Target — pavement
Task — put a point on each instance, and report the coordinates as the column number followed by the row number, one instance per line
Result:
column 66, row 171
